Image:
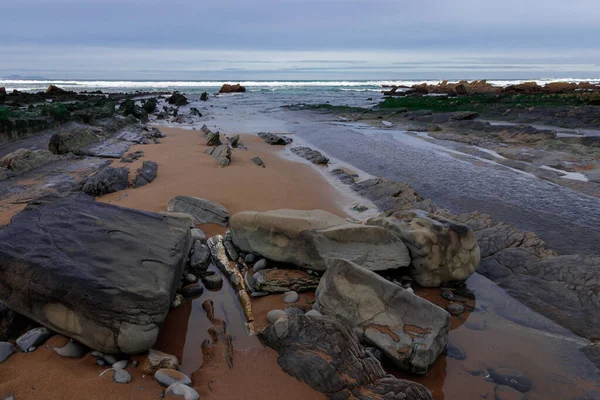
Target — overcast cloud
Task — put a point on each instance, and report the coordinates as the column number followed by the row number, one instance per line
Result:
column 293, row 39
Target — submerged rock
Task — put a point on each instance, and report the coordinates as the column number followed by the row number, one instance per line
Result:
column 72, row 254
column 328, row 357
column 308, row 239
column 511, row 377
column 409, row 330
column 441, row 250
column 204, row 211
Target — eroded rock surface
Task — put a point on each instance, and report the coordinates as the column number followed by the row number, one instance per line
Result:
column 107, row 180
column 101, row 274
column 408, row 329
column 328, row 357
column 441, row 250
column 204, row 211
column 284, row 280
column 308, row 239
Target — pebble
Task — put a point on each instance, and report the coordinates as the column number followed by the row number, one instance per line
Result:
column 193, row 290
column 511, row 377
column 110, row 360
column 213, row 282
column 260, row 265
column 72, row 349
column 475, row 322
column 177, row 301
column 33, row 338
column 178, row 391
column 502, row 392
column 249, row 281
column 100, row 362
column 134, row 363
column 313, row 313
column 456, row 352
column 121, row 376
column 6, row 349
column 249, row 259
column 274, row 315
column 456, row 308
column 167, row 377
column 197, row 234
column 191, row 278
column 97, row 354
column 231, row 250
column 120, row 364
column 290, row 297
column 294, row 311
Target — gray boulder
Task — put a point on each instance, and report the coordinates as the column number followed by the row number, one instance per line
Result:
column 204, row 211
column 441, row 250
column 408, row 329
column 308, row 239
column 328, row 357
column 101, row 274
column 146, row 174
column 73, row 140
column 107, row 180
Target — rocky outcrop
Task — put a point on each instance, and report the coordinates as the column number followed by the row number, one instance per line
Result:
column 272, row 139
column 146, row 174
column 308, row 239
column 311, row 155
column 237, row 88
column 204, row 211
column 101, row 274
column 328, row 357
column 221, row 153
column 213, row 139
column 107, row 180
column 387, row 195
column 72, row 140
column 24, row 160
column 408, row 329
column 177, row 99
column 441, row 250
column 284, row 280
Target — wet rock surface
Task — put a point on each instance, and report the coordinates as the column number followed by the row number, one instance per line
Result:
column 146, row 174
column 409, row 330
column 79, row 263
column 308, row 238
column 273, row 139
column 328, row 357
column 204, row 211
column 311, row 155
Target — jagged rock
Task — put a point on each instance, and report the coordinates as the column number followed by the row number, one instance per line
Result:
column 328, row 357
column 441, row 250
column 72, row 254
column 258, row 161
column 237, row 88
column 107, row 180
column 158, row 360
column 273, row 139
column 71, row 141
column 213, row 139
column 177, row 99
column 204, row 211
column 24, row 160
column 284, row 280
column 146, row 174
column 311, row 155
column 221, row 153
column 308, row 238
column 409, row 330
column 387, row 195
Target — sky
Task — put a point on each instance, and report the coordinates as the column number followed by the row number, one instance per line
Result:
column 300, row 39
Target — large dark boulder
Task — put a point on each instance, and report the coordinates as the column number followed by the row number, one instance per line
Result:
column 71, row 141
column 146, row 174
column 107, row 180
column 101, row 274
column 177, row 99
column 328, row 357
